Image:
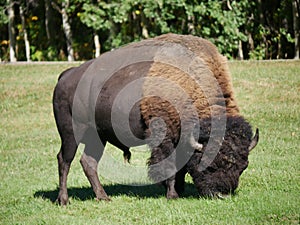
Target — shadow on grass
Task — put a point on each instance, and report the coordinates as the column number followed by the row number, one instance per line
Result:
column 86, row 193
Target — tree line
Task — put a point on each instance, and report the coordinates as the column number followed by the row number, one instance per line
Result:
column 36, row 30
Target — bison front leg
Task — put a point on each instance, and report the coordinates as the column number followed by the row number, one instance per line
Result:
column 180, row 181
column 162, row 167
column 170, row 186
column 90, row 165
column 89, row 161
column 175, row 184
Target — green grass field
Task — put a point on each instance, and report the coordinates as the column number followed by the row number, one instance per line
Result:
column 269, row 190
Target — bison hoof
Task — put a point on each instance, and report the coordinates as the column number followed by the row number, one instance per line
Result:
column 62, row 199
column 172, row 195
column 107, row 199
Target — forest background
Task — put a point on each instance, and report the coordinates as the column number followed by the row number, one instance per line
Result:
column 46, row 30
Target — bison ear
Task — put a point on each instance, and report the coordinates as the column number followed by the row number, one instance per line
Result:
column 254, row 140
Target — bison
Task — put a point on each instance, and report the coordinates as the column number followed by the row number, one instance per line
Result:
column 172, row 92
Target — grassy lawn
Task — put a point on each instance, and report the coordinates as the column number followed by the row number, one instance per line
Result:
column 269, row 190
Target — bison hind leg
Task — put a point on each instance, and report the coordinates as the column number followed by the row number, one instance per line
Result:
column 66, row 155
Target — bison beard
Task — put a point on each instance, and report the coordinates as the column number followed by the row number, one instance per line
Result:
column 212, row 174
column 222, row 175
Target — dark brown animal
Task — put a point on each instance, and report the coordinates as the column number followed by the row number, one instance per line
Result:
column 173, row 93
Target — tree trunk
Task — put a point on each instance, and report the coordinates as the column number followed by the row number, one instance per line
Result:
column 67, row 30
column 11, row 31
column 296, row 6
column 262, row 23
column 145, row 32
column 251, row 42
column 47, row 19
column 27, row 44
column 97, row 45
column 240, row 55
column 190, row 24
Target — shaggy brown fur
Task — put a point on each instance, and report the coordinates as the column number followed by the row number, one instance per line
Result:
column 199, row 89
column 215, row 62
column 214, row 67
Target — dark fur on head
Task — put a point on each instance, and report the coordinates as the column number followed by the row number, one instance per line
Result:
column 222, row 175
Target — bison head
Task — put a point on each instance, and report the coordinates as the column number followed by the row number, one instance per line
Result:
column 220, row 175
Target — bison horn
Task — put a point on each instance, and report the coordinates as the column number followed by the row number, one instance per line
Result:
column 197, row 146
column 221, row 196
column 254, row 140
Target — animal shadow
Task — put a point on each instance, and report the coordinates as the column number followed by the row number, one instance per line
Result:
column 86, row 193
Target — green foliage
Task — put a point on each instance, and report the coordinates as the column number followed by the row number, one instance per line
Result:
column 221, row 24
column 4, row 54
column 258, row 53
column 3, row 16
column 37, row 56
column 96, row 16
column 265, row 30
